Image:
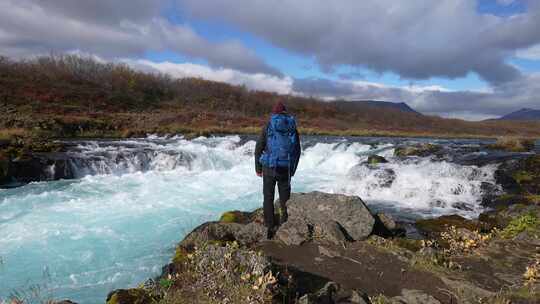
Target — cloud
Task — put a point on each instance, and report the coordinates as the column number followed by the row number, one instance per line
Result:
column 416, row 40
column 532, row 53
column 436, row 100
column 257, row 81
column 112, row 29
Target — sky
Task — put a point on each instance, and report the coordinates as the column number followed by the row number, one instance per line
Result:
column 469, row 59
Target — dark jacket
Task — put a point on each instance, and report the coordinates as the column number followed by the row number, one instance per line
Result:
column 261, row 146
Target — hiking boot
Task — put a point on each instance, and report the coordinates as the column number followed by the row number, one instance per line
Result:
column 270, row 233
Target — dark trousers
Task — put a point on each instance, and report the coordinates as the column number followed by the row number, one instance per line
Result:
column 269, row 189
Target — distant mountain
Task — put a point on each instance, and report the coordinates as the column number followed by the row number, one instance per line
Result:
column 523, row 114
column 400, row 106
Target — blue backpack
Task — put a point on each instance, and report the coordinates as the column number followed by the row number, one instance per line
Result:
column 280, row 142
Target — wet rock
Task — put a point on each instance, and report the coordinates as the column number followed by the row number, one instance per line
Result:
column 421, row 150
column 463, row 206
column 489, row 192
column 437, row 204
column 433, row 227
column 129, row 296
column 328, row 211
column 520, row 176
column 4, row 167
column 376, row 159
column 385, row 226
column 386, row 177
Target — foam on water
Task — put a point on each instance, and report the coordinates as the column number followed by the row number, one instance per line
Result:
column 117, row 225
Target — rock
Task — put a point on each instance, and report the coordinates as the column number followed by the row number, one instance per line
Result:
column 333, row 293
column 463, row 206
column 329, row 213
column 293, row 232
column 386, row 177
column 235, row 217
column 385, row 226
column 414, row 297
column 387, row 221
column 421, row 150
column 129, row 296
column 376, row 159
column 4, row 167
column 433, row 227
column 211, row 232
column 520, row 176
column 437, row 204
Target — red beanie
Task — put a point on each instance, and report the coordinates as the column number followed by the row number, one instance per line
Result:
column 279, row 107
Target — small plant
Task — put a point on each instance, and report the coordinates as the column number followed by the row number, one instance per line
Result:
column 532, row 272
column 463, row 240
column 526, row 222
column 166, row 283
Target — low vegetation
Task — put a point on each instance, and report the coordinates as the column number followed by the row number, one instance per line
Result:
column 71, row 96
column 514, row 144
column 527, row 222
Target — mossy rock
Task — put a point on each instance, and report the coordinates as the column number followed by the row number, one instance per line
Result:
column 129, row 296
column 235, row 217
column 433, row 227
column 503, row 201
column 417, row 150
column 376, row 159
column 512, row 144
column 180, row 255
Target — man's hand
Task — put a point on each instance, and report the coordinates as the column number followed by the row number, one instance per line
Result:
column 259, row 174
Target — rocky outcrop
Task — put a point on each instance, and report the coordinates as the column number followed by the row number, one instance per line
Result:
column 325, row 217
column 421, row 150
column 520, row 176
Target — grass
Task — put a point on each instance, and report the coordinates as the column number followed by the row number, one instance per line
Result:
column 526, row 222
column 514, row 144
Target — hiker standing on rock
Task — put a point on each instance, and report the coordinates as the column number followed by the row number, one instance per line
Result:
column 276, row 158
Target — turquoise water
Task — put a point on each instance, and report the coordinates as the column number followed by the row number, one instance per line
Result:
column 117, row 226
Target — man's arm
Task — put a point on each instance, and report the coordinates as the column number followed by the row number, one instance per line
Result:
column 259, row 149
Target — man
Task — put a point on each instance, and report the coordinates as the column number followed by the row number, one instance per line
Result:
column 276, row 158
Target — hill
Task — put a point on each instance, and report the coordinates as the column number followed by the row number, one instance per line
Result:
column 523, row 114
column 70, row 96
column 400, row 106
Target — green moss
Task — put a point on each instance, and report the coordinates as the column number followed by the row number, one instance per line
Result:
column 409, row 244
column 129, row 296
column 440, row 224
column 180, row 255
column 522, row 176
column 525, row 222
column 234, row 217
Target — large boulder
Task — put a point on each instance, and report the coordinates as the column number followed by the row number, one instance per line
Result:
column 325, row 217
